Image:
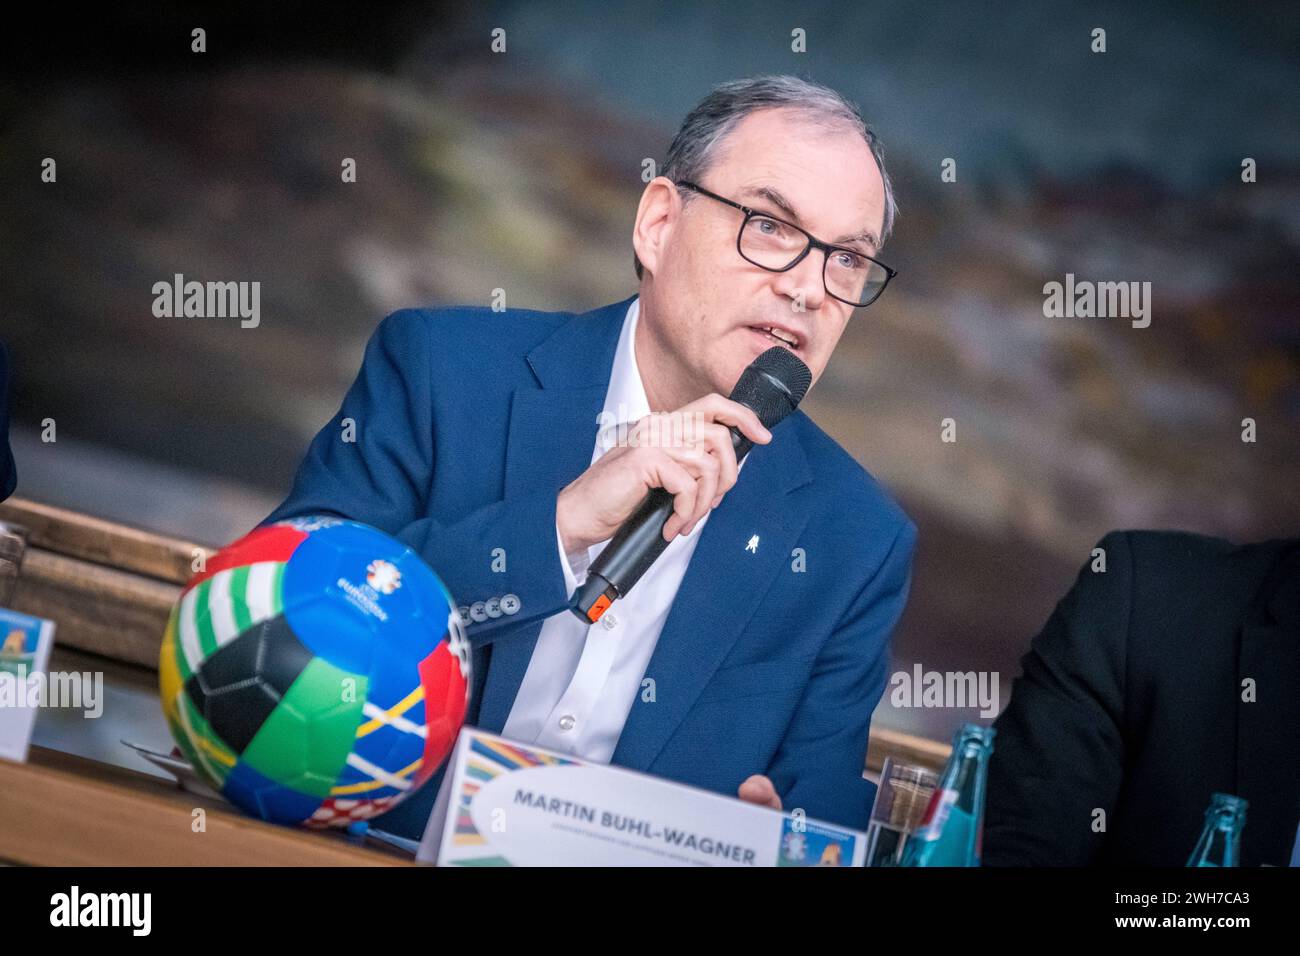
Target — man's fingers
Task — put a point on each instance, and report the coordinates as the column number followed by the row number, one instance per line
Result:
column 719, row 441
column 681, row 484
column 719, row 409
column 695, row 442
column 706, row 485
column 759, row 789
column 704, row 470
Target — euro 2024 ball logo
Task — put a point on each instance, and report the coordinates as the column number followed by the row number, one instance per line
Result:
column 383, row 576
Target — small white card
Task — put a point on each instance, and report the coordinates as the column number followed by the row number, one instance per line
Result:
column 25, row 643
column 179, row 768
column 504, row 803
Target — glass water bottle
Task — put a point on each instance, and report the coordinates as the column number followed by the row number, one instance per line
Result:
column 951, row 830
column 1220, row 842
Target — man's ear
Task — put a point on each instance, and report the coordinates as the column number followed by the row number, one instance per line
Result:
column 656, row 215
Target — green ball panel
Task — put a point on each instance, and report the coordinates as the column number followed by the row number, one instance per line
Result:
column 305, row 742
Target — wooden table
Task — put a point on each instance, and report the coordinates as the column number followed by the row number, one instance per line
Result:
column 61, row 810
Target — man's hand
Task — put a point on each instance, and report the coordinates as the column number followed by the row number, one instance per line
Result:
column 758, row 789
column 687, row 452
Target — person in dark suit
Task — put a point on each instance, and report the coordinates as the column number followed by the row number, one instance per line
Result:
column 1170, row 675
column 8, row 471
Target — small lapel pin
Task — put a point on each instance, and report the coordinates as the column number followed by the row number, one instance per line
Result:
column 752, row 547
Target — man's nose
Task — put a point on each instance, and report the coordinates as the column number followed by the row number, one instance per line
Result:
column 805, row 278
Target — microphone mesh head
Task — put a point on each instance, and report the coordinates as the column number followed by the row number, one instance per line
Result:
column 773, row 385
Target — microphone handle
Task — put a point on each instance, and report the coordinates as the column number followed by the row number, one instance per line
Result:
column 637, row 544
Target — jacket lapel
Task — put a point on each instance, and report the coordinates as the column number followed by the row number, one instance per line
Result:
column 553, row 427
column 723, row 585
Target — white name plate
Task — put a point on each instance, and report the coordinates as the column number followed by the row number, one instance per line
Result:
column 25, row 643
column 504, row 803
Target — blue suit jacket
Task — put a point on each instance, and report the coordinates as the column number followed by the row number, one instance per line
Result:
column 468, row 424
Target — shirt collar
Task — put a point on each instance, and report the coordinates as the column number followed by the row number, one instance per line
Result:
column 625, row 399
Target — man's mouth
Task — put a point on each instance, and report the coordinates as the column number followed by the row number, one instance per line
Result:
column 778, row 336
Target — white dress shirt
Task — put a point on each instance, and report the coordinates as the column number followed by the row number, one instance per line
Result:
column 583, row 679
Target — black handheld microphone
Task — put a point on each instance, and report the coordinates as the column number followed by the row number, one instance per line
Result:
column 772, row 387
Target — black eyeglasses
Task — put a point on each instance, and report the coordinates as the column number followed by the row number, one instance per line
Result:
column 770, row 243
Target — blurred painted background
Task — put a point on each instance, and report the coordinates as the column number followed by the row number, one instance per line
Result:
column 522, row 171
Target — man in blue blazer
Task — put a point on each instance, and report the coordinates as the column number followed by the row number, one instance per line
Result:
column 750, row 657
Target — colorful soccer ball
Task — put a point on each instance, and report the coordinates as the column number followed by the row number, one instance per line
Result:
column 315, row 672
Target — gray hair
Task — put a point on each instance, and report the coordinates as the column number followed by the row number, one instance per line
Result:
column 714, row 117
